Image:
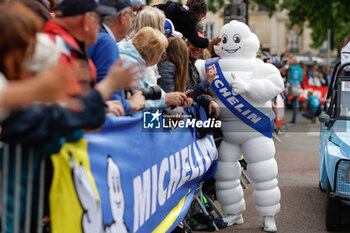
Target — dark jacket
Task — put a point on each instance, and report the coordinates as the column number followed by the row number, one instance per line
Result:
column 200, row 88
column 39, row 125
column 167, row 71
column 184, row 21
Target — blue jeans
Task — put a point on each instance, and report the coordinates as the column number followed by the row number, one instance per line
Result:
column 308, row 114
column 295, row 102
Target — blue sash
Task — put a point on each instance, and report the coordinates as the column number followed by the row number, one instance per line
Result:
column 238, row 105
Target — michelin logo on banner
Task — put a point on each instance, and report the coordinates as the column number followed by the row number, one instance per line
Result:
column 156, row 120
column 119, row 180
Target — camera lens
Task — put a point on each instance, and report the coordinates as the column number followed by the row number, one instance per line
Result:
column 152, row 93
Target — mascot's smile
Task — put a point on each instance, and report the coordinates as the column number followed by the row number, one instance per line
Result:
column 231, row 50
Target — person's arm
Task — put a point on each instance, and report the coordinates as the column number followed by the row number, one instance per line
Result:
column 50, row 85
column 120, row 96
column 38, row 125
column 191, row 33
column 118, row 78
column 204, row 101
column 203, row 86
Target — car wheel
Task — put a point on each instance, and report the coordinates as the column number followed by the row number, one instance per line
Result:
column 333, row 211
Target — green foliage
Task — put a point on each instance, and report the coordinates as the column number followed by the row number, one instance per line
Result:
column 215, row 5
column 319, row 15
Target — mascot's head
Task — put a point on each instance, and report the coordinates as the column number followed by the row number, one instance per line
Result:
column 237, row 41
column 116, row 195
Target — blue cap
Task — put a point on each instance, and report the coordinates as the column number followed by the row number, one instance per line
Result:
column 66, row 8
column 273, row 59
column 169, row 29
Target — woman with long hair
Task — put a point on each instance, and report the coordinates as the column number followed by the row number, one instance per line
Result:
column 174, row 70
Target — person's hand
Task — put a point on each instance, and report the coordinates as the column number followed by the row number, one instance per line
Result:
column 188, row 102
column 214, row 108
column 119, row 78
column 57, row 83
column 175, row 98
column 137, row 101
column 124, row 78
column 211, row 73
column 115, row 107
column 213, row 42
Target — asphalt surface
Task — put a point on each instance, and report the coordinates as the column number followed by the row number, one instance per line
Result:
column 302, row 202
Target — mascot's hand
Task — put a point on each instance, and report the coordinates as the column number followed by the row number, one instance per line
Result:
column 239, row 86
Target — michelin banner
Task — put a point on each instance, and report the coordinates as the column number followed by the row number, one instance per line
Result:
column 126, row 179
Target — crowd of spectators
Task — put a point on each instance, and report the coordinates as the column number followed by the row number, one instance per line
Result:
column 301, row 80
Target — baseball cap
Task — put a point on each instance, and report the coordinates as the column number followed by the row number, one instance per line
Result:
column 66, row 8
column 169, row 29
column 119, row 5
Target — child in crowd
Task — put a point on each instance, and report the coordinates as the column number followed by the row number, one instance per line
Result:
column 312, row 107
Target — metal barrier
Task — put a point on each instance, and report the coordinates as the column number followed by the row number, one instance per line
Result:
column 17, row 177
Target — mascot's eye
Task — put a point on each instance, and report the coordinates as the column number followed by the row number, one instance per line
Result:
column 236, row 38
column 224, row 39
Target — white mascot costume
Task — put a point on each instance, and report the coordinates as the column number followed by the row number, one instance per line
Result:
column 244, row 94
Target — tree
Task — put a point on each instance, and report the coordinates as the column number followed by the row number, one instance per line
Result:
column 318, row 15
column 215, row 5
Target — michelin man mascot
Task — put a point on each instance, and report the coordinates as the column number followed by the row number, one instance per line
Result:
column 244, row 87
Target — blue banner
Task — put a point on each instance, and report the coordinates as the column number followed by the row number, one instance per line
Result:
column 146, row 180
column 237, row 104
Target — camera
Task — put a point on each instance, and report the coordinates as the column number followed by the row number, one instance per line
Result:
column 152, row 93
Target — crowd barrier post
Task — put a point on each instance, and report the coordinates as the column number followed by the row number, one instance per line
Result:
column 11, row 182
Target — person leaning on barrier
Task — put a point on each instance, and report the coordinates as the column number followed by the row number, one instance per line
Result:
column 114, row 27
column 174, row 70
column 154, row 18
column 37, row 124
column 200, row 87
column 47, row 86
column 147, row 47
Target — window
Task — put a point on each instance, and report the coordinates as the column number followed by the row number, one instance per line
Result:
column 211, row 30
column 293, row 41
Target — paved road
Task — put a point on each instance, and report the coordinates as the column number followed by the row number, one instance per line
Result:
column 302, row 203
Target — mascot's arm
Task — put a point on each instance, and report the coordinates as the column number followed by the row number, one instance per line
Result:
column 267, row 86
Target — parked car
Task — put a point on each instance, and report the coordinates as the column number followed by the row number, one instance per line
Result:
column 334, row 148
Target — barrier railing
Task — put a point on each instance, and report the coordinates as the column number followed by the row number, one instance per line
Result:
column 17, row 187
